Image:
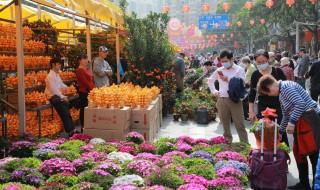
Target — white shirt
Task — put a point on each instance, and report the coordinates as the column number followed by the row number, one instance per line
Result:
column 54, row 85
column 234, row 71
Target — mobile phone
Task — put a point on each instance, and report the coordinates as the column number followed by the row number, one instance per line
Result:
column 220, row 73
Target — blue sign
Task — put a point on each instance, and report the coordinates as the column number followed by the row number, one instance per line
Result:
column 213, row 22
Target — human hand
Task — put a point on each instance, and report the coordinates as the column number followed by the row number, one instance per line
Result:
column 224, row 78
column 290, row 128
column 252, row 116
column 216, row 94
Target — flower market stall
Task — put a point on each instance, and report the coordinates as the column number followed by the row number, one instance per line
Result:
column 83, row 162
column 47, row 30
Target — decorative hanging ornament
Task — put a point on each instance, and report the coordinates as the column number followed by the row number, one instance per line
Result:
column 251, row 22
column 313, row 2
column 290, row 2
column 186, row 8
column 239, row 23
column 226, row 6
column 165, row 9
column 205, row 7
column 269, row 3
column 248, row 5
column 263, row 21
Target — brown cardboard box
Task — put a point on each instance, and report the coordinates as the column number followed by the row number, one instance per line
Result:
column 143, row 118
column 148, row 134
column 107, row 118
column 156, row 104
column 107, row 134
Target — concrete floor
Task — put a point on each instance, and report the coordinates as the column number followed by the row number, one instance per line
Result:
column 176, row 129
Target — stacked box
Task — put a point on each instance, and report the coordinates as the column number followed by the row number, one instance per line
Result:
column 107, row 123
column 144, row 121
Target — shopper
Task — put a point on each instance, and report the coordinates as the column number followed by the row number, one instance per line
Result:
column 301, row 117
column 228, row 109
column 304, row 63
column 85, row 83
column 272, row 59
column 179, row 71
column 296, row 67
column 249, row 69
column 102, row 71
column 258, row 103
column 54, row 87
column 314, row 75
column 287, row 70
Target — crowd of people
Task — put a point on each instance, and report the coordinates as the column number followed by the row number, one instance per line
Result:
column 272, row 80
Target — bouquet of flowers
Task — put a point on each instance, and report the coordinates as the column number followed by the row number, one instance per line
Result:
column 233, row 164
column 129, row 180
column 22, row 149
column 144, row 168
column 49, row 145
column 224, row 183
column 27, row 176
column 110, row 167
column 56, row 165
column 191, row 178
column 124, row 187
column 135, row 137
column 83, row 164
column 167, row 158
column 146, row 147
column 183, row 147
column 202, row 154
column 122, row 157
column 218, row 140
column 97, row 141
column 83, row 137
column 192, row 186
column 148, row 156
column 186, row 139
column 229, row 155
column 96, row 156
column 229, row 171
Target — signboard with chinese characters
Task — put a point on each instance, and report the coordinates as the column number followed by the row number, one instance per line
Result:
column 214, row 22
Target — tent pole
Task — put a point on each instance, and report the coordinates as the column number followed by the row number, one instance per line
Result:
column 20, row 61
column 88, row 37
column 118, row 56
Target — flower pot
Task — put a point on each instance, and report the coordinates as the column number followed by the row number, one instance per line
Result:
column 176, row 117
column 202, row 116
column 184, row 117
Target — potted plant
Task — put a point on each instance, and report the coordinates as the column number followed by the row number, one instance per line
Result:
column 202, row 114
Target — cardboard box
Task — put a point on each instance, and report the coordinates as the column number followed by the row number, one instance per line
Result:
column 160, row 101
column 160, row 109
column 107, row 118
column 107, row 134
column 148, row 134
column 156, row 104
column 143, row 118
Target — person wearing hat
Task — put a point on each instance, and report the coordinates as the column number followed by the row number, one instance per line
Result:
column 287, row 70
column 54, row 88
column 101, row 68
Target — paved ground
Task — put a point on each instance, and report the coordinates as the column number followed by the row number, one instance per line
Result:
column 175, row 129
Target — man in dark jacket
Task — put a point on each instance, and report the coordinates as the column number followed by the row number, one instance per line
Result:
column 179, row 71
column 314, row 75
column 303, row 64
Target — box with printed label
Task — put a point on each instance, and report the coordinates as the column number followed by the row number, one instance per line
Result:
column 107, row 118
column 143, row 118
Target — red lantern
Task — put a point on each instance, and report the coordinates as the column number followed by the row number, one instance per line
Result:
column 226, row 6
column 205, row 7
column 313, row 2
column 186, row 8
column 251, row 22
column 290, row 2
column 269, row 3
column 239, row 23
column 248, row 5
column 263, row 21
column 165, row 9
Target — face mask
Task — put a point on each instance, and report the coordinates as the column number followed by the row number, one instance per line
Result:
column 263, row 67
column 227, row 65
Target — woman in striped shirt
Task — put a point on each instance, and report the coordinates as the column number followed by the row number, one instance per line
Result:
column 300, row 118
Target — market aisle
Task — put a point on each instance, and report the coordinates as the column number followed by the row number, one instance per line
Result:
column 175, row 129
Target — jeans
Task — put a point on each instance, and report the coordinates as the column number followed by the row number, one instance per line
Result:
column 82, row 104
column 62, row 109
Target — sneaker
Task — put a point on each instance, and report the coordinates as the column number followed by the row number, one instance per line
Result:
column 299, row 186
